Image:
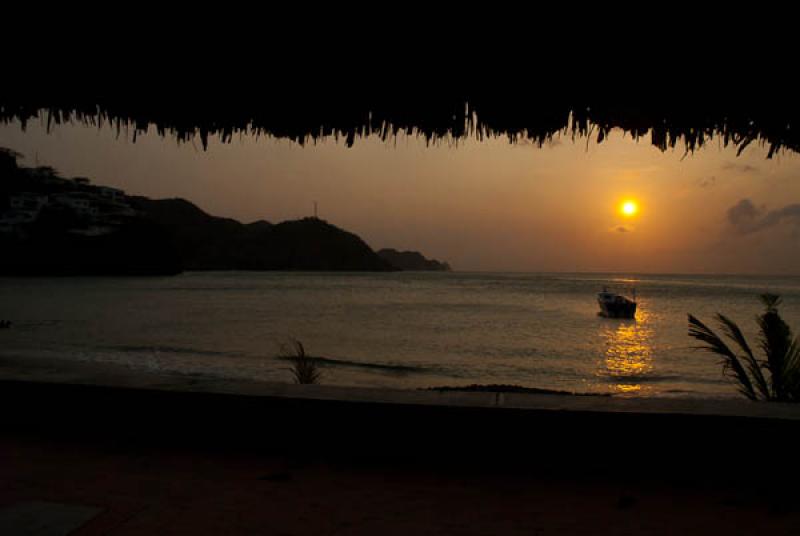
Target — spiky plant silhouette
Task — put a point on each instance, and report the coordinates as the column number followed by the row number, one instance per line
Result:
column 304, row 367
column 776, row 376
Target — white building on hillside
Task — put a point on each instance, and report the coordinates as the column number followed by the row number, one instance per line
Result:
column 81, row 203
column 27, row 201
column 112, row 194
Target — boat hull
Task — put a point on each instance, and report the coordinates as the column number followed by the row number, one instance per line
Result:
column 617, row 309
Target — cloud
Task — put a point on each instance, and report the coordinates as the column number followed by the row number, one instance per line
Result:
column 739, row 168
column 746, row 218
column 707, row 182
column 743, row 215
column 623, row 229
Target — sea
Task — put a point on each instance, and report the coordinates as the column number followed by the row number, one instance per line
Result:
column 406, row 330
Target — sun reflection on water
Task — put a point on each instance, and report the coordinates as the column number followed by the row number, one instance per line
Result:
column 629, row 353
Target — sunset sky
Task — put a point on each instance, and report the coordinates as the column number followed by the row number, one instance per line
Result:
column 479, row 205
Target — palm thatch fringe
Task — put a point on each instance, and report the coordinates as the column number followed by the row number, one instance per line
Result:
column 535, row 118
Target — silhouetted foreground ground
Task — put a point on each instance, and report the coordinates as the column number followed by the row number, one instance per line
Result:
column 169, row 457
column 190, row 490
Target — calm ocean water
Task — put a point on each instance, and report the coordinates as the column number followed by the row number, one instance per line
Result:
column 406, row 330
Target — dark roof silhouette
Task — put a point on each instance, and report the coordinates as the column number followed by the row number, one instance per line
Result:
column 686, row 124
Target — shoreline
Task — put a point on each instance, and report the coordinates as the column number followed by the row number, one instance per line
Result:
column 506, row 388
column 52, row 366
column 44, row 371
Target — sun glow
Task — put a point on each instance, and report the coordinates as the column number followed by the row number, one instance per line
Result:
column 629, row 208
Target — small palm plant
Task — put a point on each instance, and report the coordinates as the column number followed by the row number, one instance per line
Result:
column 304, row 367
column 776, row 377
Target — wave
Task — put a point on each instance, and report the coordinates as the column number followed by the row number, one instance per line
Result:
column 508, row 388
column 643, row 378
column 203, row 289
column 659, row 378
column 39, row 324
column 393, row 367
column 166, row 349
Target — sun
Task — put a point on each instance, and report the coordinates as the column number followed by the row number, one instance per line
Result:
column 629, row 208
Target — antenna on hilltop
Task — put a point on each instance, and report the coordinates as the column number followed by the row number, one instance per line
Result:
column 315, row 211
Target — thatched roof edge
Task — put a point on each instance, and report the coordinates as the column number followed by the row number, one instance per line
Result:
column 535, row 119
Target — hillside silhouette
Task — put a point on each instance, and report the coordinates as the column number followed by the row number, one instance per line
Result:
column 412, row 261
column 51, row 225
column 205, row 242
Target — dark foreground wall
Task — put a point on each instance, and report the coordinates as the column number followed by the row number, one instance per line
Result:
column 671, row 445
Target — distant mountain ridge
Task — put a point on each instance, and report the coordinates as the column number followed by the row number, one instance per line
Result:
column 412, row 261
column 205, row 242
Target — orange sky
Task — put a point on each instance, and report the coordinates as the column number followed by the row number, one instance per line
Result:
column 479, row 205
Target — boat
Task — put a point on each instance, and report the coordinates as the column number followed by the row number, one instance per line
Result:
column 615, row 305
